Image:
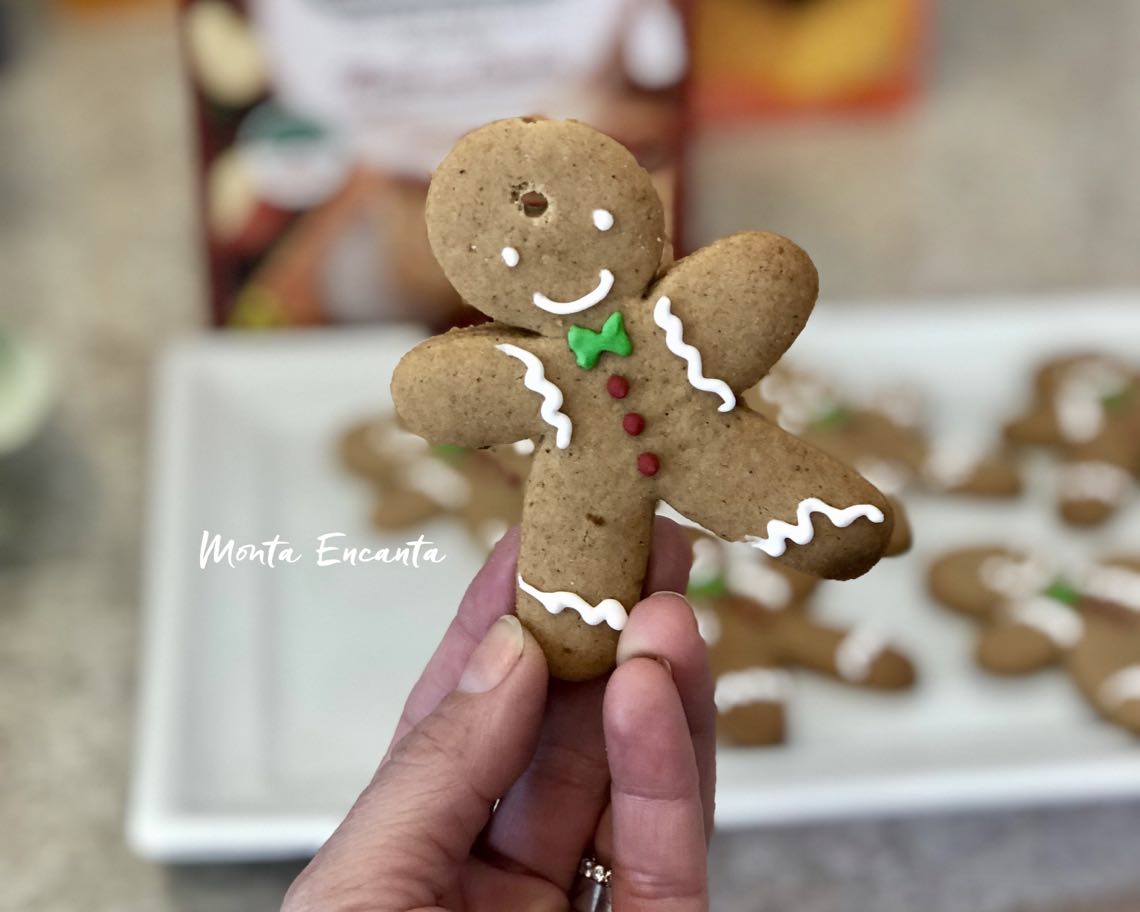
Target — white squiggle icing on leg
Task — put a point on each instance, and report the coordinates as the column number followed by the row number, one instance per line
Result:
column 779, row 533
column 535, row 380
column 857, row 652
column 608, row 610
column 1057, row 621
column 1091, row 480
column 751, row 685
column 664, row 317
column 1120, row 687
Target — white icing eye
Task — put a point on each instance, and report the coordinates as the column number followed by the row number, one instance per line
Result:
column 510, row 257
column 603, row 219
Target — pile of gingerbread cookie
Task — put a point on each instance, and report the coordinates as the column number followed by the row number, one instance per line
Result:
column 755, row 612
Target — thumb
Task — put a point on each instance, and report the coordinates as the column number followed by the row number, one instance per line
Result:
column 404, row 841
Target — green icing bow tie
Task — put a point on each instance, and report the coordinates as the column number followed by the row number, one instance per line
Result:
column 588, row 345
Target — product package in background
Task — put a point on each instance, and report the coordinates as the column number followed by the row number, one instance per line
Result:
column 320, row 121
column 758, row 58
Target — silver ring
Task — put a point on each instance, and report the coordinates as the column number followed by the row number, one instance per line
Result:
column 591, row 889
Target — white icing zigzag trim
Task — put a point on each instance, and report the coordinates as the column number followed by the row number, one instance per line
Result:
column 857, row 652
column 1058, row 622
column 751, row 685
column 563, row 308
column 779, row 533
column 664, row 317
column 535, row 381
column 1121, row 687
column 608, row 610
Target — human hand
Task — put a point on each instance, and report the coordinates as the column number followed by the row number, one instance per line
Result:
column 621, row 769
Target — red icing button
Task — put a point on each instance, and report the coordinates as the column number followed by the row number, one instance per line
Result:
column 633, row 424
column 617, row 386
column 648, row 464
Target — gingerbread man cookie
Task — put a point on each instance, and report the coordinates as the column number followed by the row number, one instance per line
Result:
column 629, row 377
column 1087, row 407
column 754, row 615
column 1035, row 617
column 413, row 483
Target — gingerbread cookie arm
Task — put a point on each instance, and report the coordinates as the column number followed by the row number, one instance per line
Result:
column 481, row 386
column 751, row 688
column 746, row 480
column 730, row 310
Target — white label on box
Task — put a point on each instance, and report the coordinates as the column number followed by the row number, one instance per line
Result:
column 401, row 79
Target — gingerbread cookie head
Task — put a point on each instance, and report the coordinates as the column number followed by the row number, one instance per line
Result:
column 536, row 222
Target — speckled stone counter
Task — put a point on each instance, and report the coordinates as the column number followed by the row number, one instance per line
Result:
column 1018, row 173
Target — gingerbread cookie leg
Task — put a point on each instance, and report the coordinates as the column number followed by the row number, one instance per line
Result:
column 751, row 689
column 583, row 557
column 793, row 502
column 859, row 656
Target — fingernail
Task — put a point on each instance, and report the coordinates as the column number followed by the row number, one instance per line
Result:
column 494, row 658
column 641, row 639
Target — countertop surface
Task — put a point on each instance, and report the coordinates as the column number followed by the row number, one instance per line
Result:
column 1016, row 173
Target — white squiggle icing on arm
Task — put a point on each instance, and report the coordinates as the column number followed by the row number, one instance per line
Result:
column 857, row 652
column 779, row 533
column 1057, row 621
column 610, row 610
column 664, row 317
column 1120, row 687
column 751, row 685
column 535, row 380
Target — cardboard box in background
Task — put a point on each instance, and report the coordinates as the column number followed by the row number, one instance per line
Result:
column 320, row 122
column 763, row 57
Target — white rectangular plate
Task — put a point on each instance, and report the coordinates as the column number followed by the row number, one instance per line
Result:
column 268, row 695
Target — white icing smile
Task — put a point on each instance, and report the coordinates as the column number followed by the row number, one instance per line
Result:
column 562, row 308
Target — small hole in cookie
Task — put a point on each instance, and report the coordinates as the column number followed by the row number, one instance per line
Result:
column 533, row 203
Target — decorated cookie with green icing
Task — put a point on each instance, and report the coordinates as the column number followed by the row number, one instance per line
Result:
column 628, row 372
column 1032, row 616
